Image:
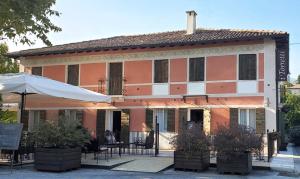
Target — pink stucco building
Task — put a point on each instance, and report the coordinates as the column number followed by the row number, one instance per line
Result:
column 213, row 76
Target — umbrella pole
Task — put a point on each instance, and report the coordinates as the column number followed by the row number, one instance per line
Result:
column 22, row 106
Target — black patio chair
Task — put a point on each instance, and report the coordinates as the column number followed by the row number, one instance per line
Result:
column 147, row 144
column 91, row 147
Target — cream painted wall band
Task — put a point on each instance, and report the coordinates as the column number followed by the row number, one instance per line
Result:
column 167, row 54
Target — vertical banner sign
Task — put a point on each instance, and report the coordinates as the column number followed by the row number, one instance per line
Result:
column 282, row 59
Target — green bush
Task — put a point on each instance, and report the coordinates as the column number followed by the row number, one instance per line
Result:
column 295, row 135
column 67, row 133
column 190, row 140
column 237, row 139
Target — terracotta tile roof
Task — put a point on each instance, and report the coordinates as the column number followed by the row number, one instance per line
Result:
column 174, row 38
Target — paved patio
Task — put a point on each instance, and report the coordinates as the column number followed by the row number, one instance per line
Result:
column 28, row 172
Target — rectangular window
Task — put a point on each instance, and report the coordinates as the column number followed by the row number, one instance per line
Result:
column 166, row 120
column 196, row 69
column 73, row 75
column 36, row 71
column 71, row 114
column 115, row 79
column 37, row 117
column 247, row 117
column 247, row 67
column 161, row 71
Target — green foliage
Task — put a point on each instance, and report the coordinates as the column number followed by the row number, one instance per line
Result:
column 292, row 103
column 237, row 139
column 67, row 133
column 7, row 65
column 298, row 80
column 295, row 135
column 191, row 139
column 8, row 116
column 21, row 19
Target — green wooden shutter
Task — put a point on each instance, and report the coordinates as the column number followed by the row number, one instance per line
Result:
column 171, row 120
column 100, row 126
column 125, row 120
column 260, row 121
column 161, row 70
column 43, row 115
column 73, row 75
column 196, row 69
column 79, row 116
column 115, row 78
column 36, row 71
column 149, row 119
column 247, row 67
column 61, row 114
column 234, row 117
column 182, row 118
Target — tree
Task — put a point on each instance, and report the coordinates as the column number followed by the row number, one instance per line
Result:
column 19, row 19
column 7, row 65
column 292, row 102
column 298, row 80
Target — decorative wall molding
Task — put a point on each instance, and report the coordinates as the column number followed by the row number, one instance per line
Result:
column 168, row 54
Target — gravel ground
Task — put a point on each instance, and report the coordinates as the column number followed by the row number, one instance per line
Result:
column 29, row 172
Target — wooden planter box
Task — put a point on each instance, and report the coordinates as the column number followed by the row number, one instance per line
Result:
column 197, row 161
column 53, row 159
column 234, row 162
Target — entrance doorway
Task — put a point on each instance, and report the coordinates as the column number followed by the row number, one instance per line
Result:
column 117, row 124
column 196, row 115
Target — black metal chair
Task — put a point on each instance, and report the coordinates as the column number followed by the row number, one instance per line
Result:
column 147, row 144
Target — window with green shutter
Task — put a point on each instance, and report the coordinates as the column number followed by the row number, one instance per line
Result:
column 171, row 120
column 247, row 67
column 37, row 71
column 73, row 75
column 196, row 69
column 161, row 71
column 115, row 79
column 149, row 119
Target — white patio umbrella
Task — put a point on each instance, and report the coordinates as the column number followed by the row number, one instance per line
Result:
column 24, row 84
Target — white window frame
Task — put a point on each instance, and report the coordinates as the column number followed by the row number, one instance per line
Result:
column 247, row 116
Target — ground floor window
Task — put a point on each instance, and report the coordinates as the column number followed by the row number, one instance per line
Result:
column 36, row 117
column 247, row 117
column 166, row 120
column 71, row 114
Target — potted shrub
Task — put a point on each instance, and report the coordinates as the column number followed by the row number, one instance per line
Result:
column 295, row 135
column 191, row 149
column 59, row 144
column 234, row 146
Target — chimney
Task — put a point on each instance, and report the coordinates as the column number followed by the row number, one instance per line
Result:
column 191, row 22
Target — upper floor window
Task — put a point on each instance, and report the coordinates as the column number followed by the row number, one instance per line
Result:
column 247, row 67
column 161, row 71
column 115, row 79
column 196, row 69
column 36, row 71
column 73, row 75
column 247, row 117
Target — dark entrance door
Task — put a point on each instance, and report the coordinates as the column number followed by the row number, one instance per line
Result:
column 100, row 126
column 197, row 116
column 117, row 124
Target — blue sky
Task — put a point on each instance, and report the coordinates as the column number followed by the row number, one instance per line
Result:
column 89, row 19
